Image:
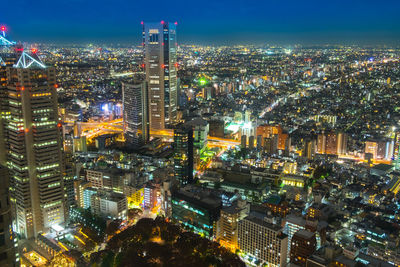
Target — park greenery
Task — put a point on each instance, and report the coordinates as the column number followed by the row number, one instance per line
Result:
column 159, row 242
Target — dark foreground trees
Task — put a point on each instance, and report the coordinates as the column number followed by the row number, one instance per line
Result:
column 160, row 243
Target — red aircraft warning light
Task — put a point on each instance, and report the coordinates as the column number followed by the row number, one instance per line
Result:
column 3, row 28
column 176, row 23
column 162, row 22
column 142, row 22
column 19, row 49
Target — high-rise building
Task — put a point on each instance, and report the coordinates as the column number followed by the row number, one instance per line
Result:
column 183, row 154
column 159, row 44
column 227, row 226
column 32, row 145
column 8, row 256
column 135, row 113
column 332, row 143
column 263, row 239
column 200, row 131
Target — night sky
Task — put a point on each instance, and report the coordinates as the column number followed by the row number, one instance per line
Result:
column 207, row 21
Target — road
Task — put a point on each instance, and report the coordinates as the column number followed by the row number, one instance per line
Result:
column 94, row 129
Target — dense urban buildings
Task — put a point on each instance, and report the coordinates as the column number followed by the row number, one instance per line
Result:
column 203, row 155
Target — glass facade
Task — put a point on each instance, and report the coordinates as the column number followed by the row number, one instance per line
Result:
column 195, row 214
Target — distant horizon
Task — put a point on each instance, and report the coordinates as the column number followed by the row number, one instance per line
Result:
column 127, row 44
column 213, row 22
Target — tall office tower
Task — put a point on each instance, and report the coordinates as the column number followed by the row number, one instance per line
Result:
column 135, row 113
column 183, row 154
column 32, row 145
column 159, row 44
column 8, row 256
column 263, row 239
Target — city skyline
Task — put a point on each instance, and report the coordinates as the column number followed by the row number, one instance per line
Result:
column 357, row 22
column 164, row 151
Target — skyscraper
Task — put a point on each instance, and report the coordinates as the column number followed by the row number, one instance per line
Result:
column 32, row 145
column 183, row 154
column 159, row 44
column 135, row 113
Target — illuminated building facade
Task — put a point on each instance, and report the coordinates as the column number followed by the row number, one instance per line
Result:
column 109, row 205
column 33, row 146
column 263, row 239
column 135, row 197
column 135, row 114
column 79, row 187
column 227, row 227
column 270, row 132
column 396, row 151
column 293, row 224
column 87, row 196
column 200, row 132
column 183, row 154
column 380, row 149
column 160, row 62
column 332, row 143
column 152, row 196
column 195, row 211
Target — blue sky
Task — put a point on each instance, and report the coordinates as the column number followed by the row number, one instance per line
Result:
column 218, row 21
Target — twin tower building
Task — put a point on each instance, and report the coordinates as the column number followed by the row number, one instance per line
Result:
column 152, row 103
